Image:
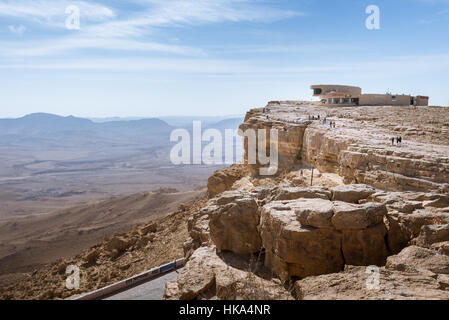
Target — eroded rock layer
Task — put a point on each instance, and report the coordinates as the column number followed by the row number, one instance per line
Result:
column 359, row 148
column 374, row 225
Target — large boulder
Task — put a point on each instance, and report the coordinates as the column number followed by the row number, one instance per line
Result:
column 441, row 247
column 223, row 179
column 233, row 223
column 415, row 221
column 368, row 283
column 197, row 277
column 405, row 206
column 352, row 193
column 292, row 193
column 207, row 276
column 118, row 243
column 419, row 260
column 437, row 201
column 314, row 212
column 431, row 234
column 357, row 216
column 307, row 237
column 295, row 250
column 151, row 227
column 199, row 234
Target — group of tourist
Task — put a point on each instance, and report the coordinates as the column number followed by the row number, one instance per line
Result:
column 318, row 117
column 332, row 124
column 397, row 139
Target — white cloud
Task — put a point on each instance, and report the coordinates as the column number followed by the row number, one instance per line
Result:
column 164, row 13
column 209, row 11
column 19, row 30
column 131, row 33
column 400, row 65
column 54, row 48
column 52, row 12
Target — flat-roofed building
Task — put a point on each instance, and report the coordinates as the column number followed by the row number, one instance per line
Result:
column 350, row 95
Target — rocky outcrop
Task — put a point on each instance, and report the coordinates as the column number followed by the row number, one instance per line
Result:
column 233, row 223
column 383, row 235
column 290, row 138
column 306, row 232
column 290, row 193
column 359, row 283
column 207, row 276
column 415, row 259
column 223, row 179
column 359, row 149
column 431, row 235
column 307, row 237
column 352, row 193
column 415, row 273
column 294, row 250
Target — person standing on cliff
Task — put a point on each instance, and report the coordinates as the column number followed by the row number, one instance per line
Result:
column 392, row 141
column 334, row 124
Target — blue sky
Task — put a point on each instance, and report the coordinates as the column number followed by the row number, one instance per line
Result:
column 196, row 57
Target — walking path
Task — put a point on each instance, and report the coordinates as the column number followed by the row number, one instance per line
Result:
column 151, row 290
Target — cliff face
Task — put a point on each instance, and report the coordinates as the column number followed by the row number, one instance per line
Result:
column 373, row 203
column 359, row 148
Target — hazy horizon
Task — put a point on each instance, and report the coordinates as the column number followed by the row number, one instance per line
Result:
column 131, row 118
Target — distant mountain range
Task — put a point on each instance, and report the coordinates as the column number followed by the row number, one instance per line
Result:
column 176, row 121
column 45, row 122
column 38, row 123
column 44, row 127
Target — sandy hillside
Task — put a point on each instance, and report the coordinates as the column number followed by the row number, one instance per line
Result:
column 29, row 242
column 113, row 259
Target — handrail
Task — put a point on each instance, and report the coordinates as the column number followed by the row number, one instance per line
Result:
column 132, row 281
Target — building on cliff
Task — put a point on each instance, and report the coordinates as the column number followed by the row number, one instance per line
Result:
column 350, row 95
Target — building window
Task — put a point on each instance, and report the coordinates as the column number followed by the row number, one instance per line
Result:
column 393, row 98
column 317, row 91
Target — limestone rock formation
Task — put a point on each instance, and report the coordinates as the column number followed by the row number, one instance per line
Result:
column 292, row 249
column 359, row 283
column 223, row 179
column 352, row 193
column 291, row 193
column 432, row 234
column 415, row 259
column 307, row 237
column 315, row 213
column 207, row 276
column 359, row 149
column 233, row 223
column 382, row 235
column 357, row 216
